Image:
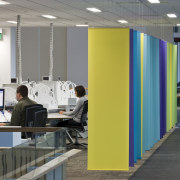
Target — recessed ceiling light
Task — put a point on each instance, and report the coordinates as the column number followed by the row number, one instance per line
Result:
column 171, row 15
column 12, row 22
column 123, row 21
column 154, row 1
column 48, row 16
column 82, row 25
column 94, row 9
column 4, row 3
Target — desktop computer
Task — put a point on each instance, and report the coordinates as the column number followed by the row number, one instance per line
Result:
column 2, row 95
column 5, row 116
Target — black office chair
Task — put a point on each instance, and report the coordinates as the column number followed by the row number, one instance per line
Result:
column 29, row 112
column 40, row 118
column 80, row 128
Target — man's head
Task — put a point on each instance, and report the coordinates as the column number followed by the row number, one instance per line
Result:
column 22, row 91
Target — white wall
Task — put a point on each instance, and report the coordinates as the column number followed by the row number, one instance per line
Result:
column 35, row 52
column 30, row 46
column 5, row 57
column 77, row 55
column 59, row 52
column 13, row 52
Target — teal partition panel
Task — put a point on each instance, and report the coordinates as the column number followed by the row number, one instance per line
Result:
column 155, row 89
column 137, row 95
column 151, row 93
column 146, row 92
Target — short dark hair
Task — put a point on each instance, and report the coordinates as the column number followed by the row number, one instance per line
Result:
column 23, row 90
column 80, row 91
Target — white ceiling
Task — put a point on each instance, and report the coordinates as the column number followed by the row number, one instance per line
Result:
column 71, row 12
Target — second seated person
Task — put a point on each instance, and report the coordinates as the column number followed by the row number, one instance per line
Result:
column 77, row 112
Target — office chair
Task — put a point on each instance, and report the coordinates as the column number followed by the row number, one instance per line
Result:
column 40, row 118
column 80, row 128
column 29, row 112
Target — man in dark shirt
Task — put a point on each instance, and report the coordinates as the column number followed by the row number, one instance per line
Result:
column 18, row 118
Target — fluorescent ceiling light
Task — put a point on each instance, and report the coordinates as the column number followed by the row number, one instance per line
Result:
column 94, row 9
column 4, row 3
column 12, row 22
column 154, row 1
column 123, row 21
column 48, row 16
column 82, row 25
column 177, row 24
column 171, row 15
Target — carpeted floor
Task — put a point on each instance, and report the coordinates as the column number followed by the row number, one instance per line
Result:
column 77, row 165
column 164, row 164
column 77, row 170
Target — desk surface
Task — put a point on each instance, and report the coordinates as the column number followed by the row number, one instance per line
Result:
column 58, row 116
column 28, row 129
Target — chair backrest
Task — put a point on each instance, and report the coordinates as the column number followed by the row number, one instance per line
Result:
column 29, row 113
column 84, row 113
column 40, row 118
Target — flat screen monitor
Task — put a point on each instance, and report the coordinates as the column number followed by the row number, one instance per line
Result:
column 45, row 78
column 13, row 80
column 2, row 95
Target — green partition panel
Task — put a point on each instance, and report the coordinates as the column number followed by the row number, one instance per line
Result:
column 174, row 85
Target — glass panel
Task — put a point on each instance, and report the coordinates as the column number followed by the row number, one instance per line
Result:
column 19, row 160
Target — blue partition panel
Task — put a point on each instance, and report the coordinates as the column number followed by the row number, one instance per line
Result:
column 162, row 69
column 137, row 95
column 146, row 92
column 155, row 103
column 151, row 90
column 131, row 105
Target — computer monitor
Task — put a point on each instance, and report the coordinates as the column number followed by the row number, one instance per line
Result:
column 2, row 95
column 45, row 78
column 14, row 80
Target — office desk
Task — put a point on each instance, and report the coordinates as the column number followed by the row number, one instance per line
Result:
column 58, row 116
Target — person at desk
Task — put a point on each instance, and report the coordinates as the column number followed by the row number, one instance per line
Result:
column 17, row 118
column 76, row 113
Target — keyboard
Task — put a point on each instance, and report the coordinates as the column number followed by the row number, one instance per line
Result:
column 5, row 116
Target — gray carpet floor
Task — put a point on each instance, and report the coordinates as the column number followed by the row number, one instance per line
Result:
column 164, row 164
column 77, row 170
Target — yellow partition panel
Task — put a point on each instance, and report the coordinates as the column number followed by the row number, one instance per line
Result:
column 108, row 97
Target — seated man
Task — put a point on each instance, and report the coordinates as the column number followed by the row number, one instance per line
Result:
column 18, row 118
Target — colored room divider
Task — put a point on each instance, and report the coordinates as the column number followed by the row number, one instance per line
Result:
column 132, row 95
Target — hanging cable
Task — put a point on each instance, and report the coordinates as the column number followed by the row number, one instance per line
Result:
column 18, row 51
column 51, row 53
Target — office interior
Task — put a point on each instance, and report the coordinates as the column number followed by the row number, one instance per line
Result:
column 126, row 56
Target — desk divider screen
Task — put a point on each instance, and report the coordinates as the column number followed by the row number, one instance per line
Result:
column 108, row 117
